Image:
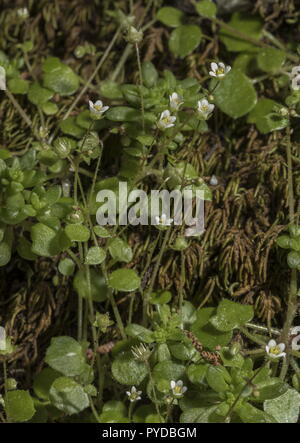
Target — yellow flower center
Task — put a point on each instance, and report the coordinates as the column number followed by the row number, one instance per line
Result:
column 275, row 350
column 220, row 71
column 98, row 107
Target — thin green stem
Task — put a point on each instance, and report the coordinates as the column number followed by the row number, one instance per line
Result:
column 292, row 298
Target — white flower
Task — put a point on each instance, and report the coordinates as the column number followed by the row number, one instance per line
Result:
column 163, row 220
column 275, row 350
column 97, row 108
column 204, row 108
column 296, row 83
column 177, row 388
column 23, row 13
column 296, row 340
column 175, row 101
column 133, row 394
column 219, row 70
column 166, row 120
column 213, row 181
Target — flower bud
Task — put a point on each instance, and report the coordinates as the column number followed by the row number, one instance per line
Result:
column 134, row 36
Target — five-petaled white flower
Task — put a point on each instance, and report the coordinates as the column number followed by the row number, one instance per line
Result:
column 166, row 120
column 177, row 388
column 219, row 70
column 275, row 350
column 97, row 108
column 175, row 101
column 163, row 220
column 296, row 340
column 133, row 394
column 204, row 108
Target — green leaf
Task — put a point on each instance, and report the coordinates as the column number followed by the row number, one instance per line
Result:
column 185, row 39
column 160, row 298
column 101, row 232
column 95, row 256
column 128, row 371
column 215, row 377
column 170, row 16
column 77, row 232
column 207, row 8
column 111, row 90
column 18, row 85
column 260, row 116
column 168, row 370
column 99, row 288
column 123, row 114
column 235, row 95
column 61, row 79
column 69, row 127
column 138, row 331
column 19, row 406
column 24, row 249
column 182, row 351
column 231, row 361
column 230, row 315
column 197, row 373
column 206, row 333
column 6, row 247
column 250, row 25
column 285, row 409
column 293, row 260
column 197, row 415
column 66, row 267
column 113, row 417
column 125, row 280
column 284, row 241
column 120, row 250
column 250, row 414
column 114, row 405
column 150, row 74
column 65, row 355
column 43, row 381
column 50, row 108
column 43, row 240
column 270, row 59
column 68, row 396
column 39, row 95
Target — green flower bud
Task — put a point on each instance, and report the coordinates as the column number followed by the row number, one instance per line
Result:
column 11, row 384
column 134, row 36
column 63, row 146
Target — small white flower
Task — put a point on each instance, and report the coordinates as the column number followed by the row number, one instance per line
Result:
column 97, row 108
column 296, row 340
column 133, row 394
column 219, row 70
column 275, row 350
column 204, row 108
column 296, row 83
column 213, row 181
column 175, row 101
column 23, row 13
column 177, row 388
column 166, row 120
column 163, row 220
